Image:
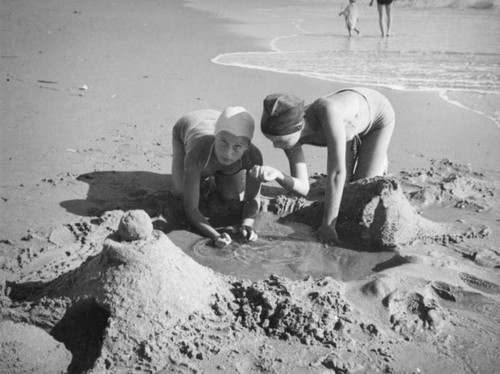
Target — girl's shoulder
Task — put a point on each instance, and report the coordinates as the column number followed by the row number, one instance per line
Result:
column 200, row 150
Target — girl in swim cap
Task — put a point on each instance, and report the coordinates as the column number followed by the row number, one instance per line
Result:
column 210, row 143
column 355, row 125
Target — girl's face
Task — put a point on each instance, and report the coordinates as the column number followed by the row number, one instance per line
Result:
column 284, row 141
column 229, row 148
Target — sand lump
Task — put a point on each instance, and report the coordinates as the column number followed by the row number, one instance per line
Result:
column 135, row 225
column 374, row 211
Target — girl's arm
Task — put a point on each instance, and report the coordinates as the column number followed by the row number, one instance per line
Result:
column 192, row 175
column 332, row 116
column 252, row 191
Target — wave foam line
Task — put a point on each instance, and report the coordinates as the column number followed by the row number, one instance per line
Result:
column 343, row 79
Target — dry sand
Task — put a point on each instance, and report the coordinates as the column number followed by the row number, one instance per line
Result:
column 89, row 93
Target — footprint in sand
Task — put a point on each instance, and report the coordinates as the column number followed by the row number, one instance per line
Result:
column 413, row 313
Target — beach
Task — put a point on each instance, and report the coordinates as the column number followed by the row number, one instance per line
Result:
column 89, row 95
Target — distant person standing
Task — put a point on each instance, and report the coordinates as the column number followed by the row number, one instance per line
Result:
column 381, row 4
column 351, row 14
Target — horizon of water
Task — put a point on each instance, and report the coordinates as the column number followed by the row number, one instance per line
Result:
column 446, row 46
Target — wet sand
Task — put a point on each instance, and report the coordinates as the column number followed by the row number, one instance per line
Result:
column 89, row 94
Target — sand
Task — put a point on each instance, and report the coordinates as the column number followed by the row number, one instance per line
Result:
column 89, row 94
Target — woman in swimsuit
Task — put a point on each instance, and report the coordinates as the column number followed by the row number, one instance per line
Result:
column 381, row 4
column 355, row 125
column 209, row 143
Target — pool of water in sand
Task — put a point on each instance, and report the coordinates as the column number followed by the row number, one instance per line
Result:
column 288, row 249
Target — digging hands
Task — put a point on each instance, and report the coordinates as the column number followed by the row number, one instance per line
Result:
column 222, row 240
column 248, row 233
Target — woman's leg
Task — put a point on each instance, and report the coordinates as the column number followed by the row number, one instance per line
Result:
column 389, row 19
column 380, row 9
column 372, row 160
column 372, row 153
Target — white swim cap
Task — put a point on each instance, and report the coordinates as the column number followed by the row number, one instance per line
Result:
column 237, row 121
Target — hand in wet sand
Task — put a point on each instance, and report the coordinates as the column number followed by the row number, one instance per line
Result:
column 248, row 233
column 223, row 240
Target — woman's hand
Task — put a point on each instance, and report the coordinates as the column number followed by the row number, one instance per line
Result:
column 265, row 173
column 223, row 240
column 248, row 233
column 328, row 235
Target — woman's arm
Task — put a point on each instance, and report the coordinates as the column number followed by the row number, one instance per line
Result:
column 297, row 182
column 332, row 116
column 298, row 170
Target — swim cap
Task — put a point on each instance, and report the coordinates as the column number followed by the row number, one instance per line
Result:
column 237, row 121
column 282, row 114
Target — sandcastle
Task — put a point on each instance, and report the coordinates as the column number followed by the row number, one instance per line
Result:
column 139, row 286
column 375, row 212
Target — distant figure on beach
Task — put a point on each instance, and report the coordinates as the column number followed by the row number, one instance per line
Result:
column 351, row 14
column 381, row 4
column 354, row 124
column 209, row 143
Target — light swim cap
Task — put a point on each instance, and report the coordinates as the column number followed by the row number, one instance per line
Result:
column 282, row 114
column 237, row 121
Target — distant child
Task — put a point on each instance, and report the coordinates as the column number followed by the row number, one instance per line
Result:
column 351, row 15
column 210, row 143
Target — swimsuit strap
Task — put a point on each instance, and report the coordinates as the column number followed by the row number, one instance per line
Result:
column 209, row 155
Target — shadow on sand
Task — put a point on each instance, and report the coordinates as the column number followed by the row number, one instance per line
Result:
column 125, row 190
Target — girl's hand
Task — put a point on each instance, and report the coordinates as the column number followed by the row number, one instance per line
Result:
column 265, row 173
column 248, row 233
column 223, row 240
column 328, row 235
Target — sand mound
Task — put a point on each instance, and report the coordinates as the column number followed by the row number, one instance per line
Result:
column 140, row 288
column 309, row 311
column 375, row 211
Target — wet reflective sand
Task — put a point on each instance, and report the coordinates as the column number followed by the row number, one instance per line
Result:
column 287, row 249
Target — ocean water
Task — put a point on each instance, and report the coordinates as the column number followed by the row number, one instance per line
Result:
column 448, row 46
